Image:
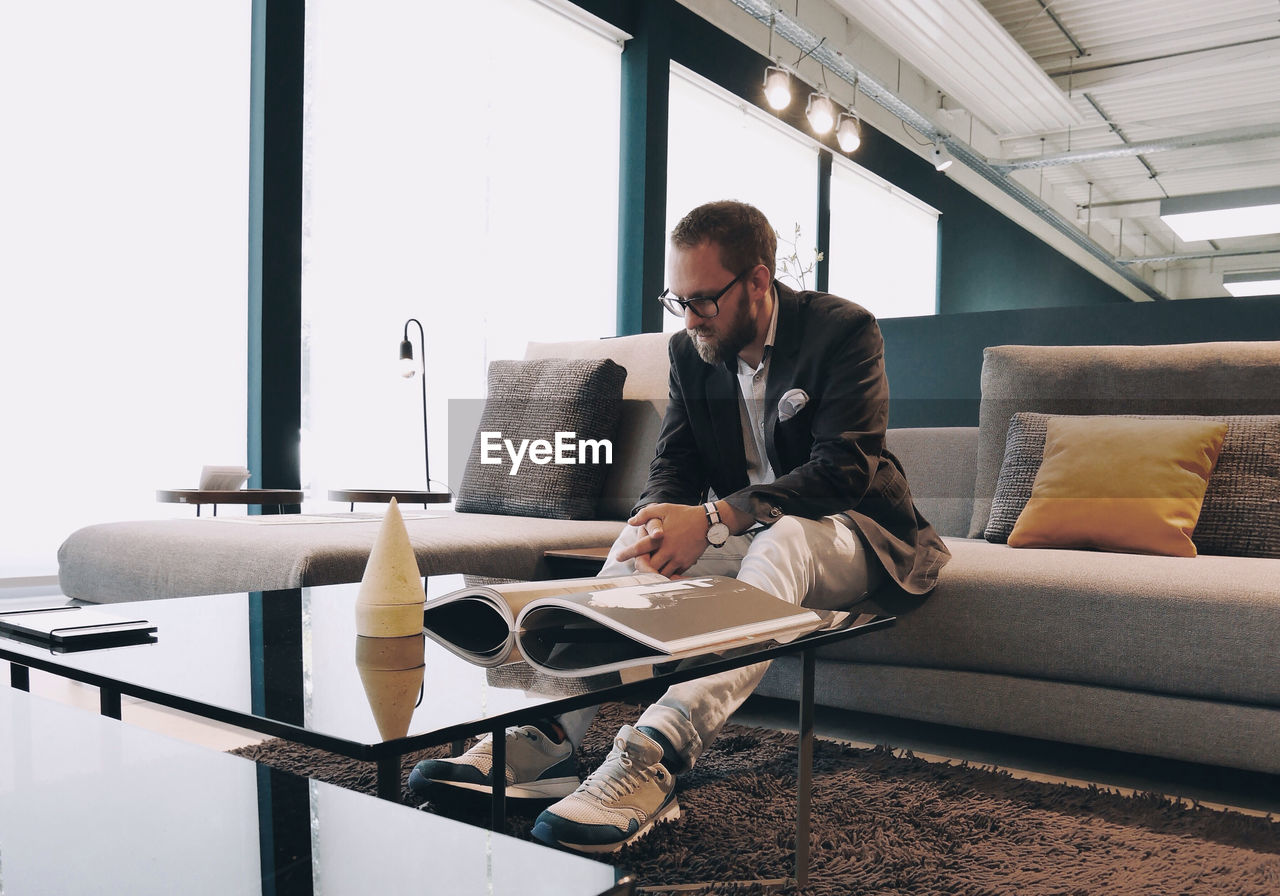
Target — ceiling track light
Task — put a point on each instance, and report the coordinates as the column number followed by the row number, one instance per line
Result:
column 821, row 112
column 777, row 87
column 941, row 161
column 849, row 132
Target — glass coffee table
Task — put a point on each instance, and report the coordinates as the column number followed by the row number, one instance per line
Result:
column 283, row 663
column 90, row 805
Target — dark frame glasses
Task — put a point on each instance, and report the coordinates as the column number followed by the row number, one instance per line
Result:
column 703, row 306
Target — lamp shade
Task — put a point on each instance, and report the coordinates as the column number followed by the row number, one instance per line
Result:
column 848, row 133
column 777, row 87
column 821, row 113
column 941, row 161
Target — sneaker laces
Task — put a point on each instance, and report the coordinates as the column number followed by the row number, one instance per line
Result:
column 605, row 783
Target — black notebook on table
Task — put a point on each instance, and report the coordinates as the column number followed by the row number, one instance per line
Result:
column 75, row 628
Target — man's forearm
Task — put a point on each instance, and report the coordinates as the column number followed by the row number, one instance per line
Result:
column 738, row 521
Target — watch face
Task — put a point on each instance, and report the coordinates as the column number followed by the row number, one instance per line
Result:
column 718, row 534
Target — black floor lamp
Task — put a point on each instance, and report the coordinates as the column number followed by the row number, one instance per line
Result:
column 408, row 369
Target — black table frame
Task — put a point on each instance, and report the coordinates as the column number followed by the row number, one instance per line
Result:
column 386, row 754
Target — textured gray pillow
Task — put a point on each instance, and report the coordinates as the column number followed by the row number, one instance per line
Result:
column 535, row 400
column 1240, row 516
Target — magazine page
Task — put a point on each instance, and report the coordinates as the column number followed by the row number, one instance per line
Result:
column 478, row 621
column 703, row 613
column 483, row 650
column 475, row 621
column 516, row 595
column 510, row 598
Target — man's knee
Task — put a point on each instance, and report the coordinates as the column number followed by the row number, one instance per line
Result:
column 789, row 535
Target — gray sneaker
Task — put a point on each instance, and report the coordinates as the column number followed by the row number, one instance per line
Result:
column 537, row 768
column 618, row 803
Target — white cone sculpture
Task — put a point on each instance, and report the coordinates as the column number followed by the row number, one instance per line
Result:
column 392, row 671
column 391, row 596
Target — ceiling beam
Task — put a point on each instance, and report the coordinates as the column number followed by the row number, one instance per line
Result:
column 1189, row 141
column 1192, row 256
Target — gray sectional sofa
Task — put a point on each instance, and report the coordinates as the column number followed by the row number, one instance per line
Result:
column 1161, row 656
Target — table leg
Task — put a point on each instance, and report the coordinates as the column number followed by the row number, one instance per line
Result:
column 19, row 677
column 389, row 778
column 109, row 702
column 498, row 777
column 804, row 785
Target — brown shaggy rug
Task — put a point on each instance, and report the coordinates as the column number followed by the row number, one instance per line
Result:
column 889, row 824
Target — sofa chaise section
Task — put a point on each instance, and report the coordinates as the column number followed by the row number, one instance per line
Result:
column 150, row 559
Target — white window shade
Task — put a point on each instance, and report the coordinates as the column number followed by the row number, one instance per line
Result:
column 468, row 183
column 884, row 245
column 124, row 172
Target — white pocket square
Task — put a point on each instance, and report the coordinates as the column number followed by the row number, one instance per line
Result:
column 791, row 403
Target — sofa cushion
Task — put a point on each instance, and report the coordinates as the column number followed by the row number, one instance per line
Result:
column 1241, row 512
column 644, row 401
column 149, row 559
column 1237, row 378
column 560, row 403
column 1202, row 627
column 939, row 463
column 1120, row 484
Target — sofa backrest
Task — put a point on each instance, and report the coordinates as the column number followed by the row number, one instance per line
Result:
column 1209, row 378
column 939, row 463
column 644, row 401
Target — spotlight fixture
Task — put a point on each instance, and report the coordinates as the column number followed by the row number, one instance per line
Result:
column 848, row 132
column 821, row 113
column 777, row 87
column 941, row 161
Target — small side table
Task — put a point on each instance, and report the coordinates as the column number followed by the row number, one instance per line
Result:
column 569, row 563
column 197, row 496
column 384, row 496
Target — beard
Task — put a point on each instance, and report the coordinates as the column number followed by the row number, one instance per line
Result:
column 717, row 349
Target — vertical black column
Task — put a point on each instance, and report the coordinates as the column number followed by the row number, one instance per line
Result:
column 284, row 833
column 275, row 654
column 820, row 282
column 275, row 243
column 646, row 76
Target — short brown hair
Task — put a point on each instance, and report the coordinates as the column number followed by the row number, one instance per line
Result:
column 743, row 233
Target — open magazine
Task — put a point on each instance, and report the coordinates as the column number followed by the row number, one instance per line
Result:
column 584, row 626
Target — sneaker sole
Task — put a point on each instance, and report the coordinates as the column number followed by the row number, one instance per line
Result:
column 549, row 789
column 670, row 812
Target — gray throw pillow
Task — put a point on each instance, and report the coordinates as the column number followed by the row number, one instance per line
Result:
column 1240, row 516
column 555, row 416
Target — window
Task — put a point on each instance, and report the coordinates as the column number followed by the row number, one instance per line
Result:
column 884, row 245
column 461, row 165
column 721, row 147
column 124, row 176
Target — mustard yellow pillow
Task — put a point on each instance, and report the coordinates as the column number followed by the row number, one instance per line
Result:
column 1120, row 484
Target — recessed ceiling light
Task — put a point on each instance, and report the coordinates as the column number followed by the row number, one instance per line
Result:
column 1212, row 216
column 1252, row 283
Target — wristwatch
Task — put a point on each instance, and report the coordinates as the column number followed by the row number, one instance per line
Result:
column 717, row 532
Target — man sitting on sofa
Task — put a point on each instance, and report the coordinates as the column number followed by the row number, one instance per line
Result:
column 778, row 410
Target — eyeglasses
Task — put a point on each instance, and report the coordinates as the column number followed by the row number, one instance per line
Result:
column 702, row 306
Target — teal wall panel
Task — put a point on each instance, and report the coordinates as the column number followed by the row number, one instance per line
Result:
column 934, row 364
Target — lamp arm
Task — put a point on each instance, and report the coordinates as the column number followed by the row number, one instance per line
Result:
column 422, row 345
